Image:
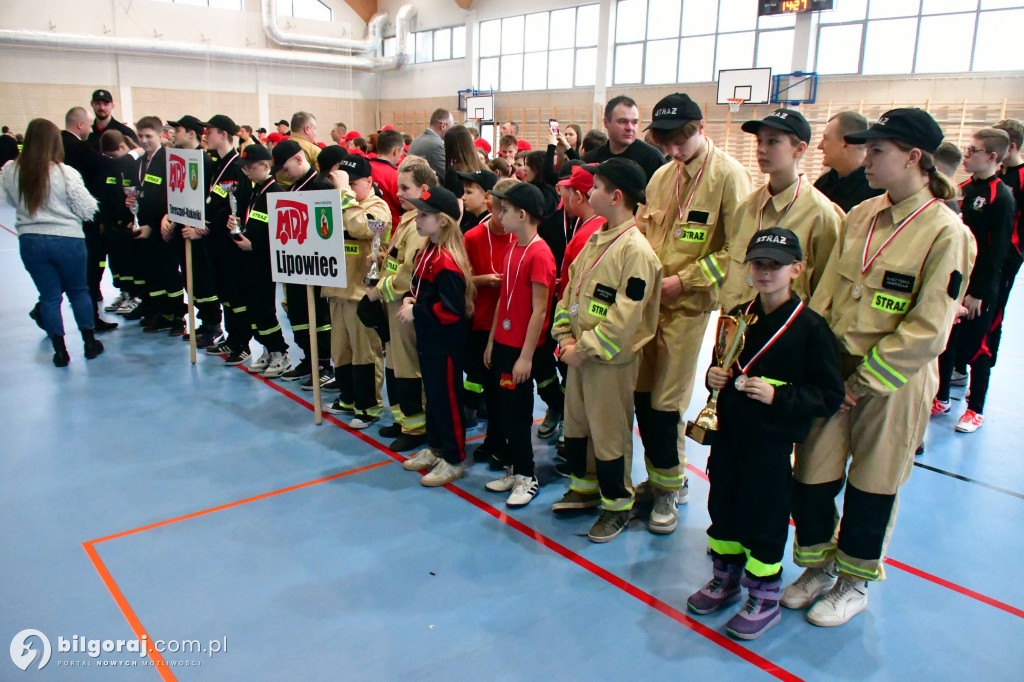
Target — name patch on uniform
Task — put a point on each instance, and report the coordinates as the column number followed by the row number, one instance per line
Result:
column 219, row 191
column 154, row 179
column 897, row 282
column 890, row 304
column 698, row 217
column 392, row 265
column 598, row 310
column 111, row 181
column 261, row 217
column 351, row 249
column 605, row 293
column 688, row 234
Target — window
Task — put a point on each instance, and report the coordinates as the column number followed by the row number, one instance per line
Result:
column 303, row 9
column 540, row 51
column 433, row 45
column 222, row 4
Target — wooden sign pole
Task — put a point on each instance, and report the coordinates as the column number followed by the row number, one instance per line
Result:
column 191, row 301
column 314, row 356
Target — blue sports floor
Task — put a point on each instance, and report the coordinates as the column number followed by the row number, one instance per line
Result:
column 142, row 496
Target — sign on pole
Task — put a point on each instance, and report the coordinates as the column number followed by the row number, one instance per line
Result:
column 307, row 246
column 186, row 205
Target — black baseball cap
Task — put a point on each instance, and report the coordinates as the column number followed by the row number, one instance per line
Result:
column 786, row 120
column 329, row 156
column 484, row 178
column 525, row 196
column 626, row 175
column 777, row 244
column 282, row 122
column 284, row 150
column 222, row 122
column 674, row 111
column 913, row 126
column 254, row 153
column 189, row 123
column 356, row 166
column 102, row 96
column 437, row 200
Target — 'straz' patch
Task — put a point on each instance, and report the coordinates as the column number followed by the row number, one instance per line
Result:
column 956, row 279
column 605, row 293
column 698, row 217
column 635, row 288
column 894, row 281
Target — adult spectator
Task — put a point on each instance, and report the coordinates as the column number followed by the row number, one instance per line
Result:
column 845, row 184
column 103, row 107
column 304, row 132
column 510, row 128
column 244, row 137
column 282, row 127
column 338, row 133
column 592, row 140
column 622, row 120
column 430, row 144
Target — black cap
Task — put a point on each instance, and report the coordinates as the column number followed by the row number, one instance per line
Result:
column 329, row 156
column 356, row 166
column 102, row 96
column 674, row 111
column 484, row 178
column 282, row 122
column 254, row 153
column 913, row 126
column 284, row 150
column 437, row 200
column 189, row 123
column 525, row 196
column 786, row 120
column 222, row 122
column 625, row 175
column 777, row 244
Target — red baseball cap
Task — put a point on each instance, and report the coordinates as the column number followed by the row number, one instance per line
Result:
column 581, row 179
column 276, row 137
column 483, row 144
column 387, row 127
column 523, row 145
column 352, row 134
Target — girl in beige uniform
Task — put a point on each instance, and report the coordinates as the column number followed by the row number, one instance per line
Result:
column 890, row 293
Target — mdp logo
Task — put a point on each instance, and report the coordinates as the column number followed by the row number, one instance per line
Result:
column 292, row 221
column 324, row 217
column 22, row 652
column 176, row 174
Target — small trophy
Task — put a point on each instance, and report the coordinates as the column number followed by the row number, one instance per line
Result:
column 728, row 346
column 133, row 192
column 236, row 231
column 373, row 276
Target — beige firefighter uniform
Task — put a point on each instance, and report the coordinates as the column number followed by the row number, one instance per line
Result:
column 801, row 208
column 891, row 316
column 352, row 343
column 610, row 306
column 706, row 191
column 401, row 357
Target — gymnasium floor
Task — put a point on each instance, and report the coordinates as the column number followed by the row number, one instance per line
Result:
column 143, row 496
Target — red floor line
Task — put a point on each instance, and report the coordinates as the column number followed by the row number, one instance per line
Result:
column 126, row 610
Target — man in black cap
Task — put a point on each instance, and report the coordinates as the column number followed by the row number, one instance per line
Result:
column 103, row 107
column 686, row 220
column 845, row 183
column 622, row 121
column 282, row 127
column 787, row 200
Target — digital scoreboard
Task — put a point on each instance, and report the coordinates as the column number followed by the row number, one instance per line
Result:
column 772, row 7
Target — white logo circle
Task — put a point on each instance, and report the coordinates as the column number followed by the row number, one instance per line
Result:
column 23, row 654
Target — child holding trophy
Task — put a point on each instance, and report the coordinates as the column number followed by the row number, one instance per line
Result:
column 771, row 383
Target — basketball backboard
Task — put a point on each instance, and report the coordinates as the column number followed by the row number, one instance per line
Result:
column 752, row 85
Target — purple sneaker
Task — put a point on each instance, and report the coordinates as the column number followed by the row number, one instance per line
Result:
column 721, row 590
column 760, row 613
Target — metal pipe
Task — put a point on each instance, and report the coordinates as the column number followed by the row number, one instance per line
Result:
column 374, row 32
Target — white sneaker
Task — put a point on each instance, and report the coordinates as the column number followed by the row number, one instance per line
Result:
column 279, row 364
column 424, row 459
column 259, row 365
column 808, row 587
column 970, row 422
column 524, row 489
column 503, row 484
column 844, row 601
column 442, row 473
column 117, row 302
column 128, row 306
column 664, row 513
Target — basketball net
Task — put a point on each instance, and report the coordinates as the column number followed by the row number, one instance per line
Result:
column 734, row 103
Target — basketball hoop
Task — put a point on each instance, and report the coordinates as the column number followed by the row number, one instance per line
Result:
column 734, row 103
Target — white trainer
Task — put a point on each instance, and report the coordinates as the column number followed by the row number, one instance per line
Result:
column 259, row 365
column 442, row 473
column 424, row 459
column 279, row 364
column 844, row 601
column 524, row 489
column 117, row 302
column 503, row 484
column 664, row 513
column 809, row 586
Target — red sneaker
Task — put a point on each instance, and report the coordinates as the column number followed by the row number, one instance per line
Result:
column 970, row 422
column 939, row 407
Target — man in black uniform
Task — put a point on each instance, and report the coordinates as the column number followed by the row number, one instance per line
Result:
column 622, row 120
column 103, row 107
column 1012, row 174
column 845, row 184
column 188, row 131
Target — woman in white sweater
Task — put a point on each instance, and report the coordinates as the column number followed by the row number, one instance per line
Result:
column 51, row 202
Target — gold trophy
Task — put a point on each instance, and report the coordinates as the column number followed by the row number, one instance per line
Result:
column 728, row 346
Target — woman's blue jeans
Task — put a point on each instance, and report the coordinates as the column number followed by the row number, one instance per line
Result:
column 57, row 265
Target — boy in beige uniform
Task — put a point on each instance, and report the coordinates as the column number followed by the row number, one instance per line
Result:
column 789, row 200
column 356, row 350
column 608, row 311
column 685, row 221
column 890, row 294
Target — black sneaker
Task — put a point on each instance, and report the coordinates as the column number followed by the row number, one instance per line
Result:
column 236, row 358
column 158, row 323
column 137, row 314
column 177, row 328
column 338, row 407
column 563, row 469
column 102, row 325
column 406, row 442
column 330, row 386
column 34, row 314
column 209, row 337
column 548, row 427
column 391, row 431
column 483, row 452
column 326, row 375
column 300, row 371
column 608, row 525
column 219, row 348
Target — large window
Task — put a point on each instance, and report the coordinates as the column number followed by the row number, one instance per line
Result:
column 541, row 51
column 876, row 37
column 689, row 41
column 303, row 9
column 434, row 45
column 216, row 4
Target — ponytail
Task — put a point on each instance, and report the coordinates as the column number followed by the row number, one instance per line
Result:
column 939, row 185
column 451, row 239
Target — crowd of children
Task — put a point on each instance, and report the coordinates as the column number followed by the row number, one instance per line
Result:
column 595, row 283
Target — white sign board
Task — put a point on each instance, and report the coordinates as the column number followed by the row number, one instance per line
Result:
column 186, row 187
column 307, row 238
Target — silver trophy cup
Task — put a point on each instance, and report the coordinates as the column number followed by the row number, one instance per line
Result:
column 133, row 193
column 373, row 276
